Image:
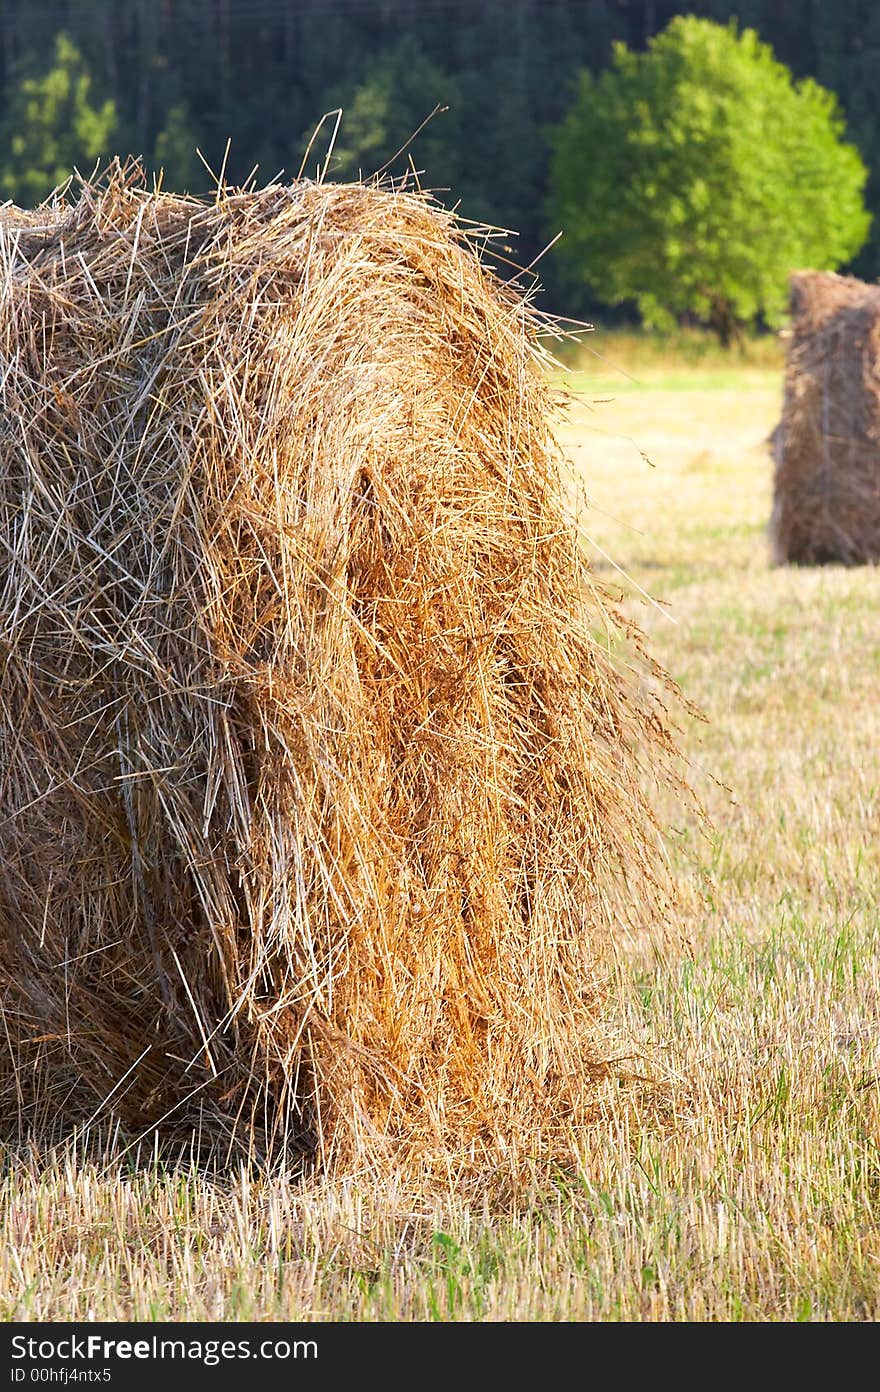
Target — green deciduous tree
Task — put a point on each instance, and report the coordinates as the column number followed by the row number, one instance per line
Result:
column 693, row 177
column 51, row 125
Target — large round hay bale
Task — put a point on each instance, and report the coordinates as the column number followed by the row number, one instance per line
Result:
column 826, row 503
column 321, row 795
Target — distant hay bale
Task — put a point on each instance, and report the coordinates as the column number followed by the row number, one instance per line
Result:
column 322, row 799
column 827, row 446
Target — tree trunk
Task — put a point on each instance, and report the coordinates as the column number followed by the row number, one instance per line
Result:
column 724, row 323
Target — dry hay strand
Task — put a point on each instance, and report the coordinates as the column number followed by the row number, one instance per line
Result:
column 323, row 801
column 827, row 446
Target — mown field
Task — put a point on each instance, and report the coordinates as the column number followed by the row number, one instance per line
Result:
column 747, row 1186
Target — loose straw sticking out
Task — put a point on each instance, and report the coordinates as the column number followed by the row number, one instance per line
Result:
column 826, row 504
column 314, row 775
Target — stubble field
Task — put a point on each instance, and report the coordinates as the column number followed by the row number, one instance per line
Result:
column 744, row 1181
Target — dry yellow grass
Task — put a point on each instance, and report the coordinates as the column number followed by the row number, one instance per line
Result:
column 748, row 1188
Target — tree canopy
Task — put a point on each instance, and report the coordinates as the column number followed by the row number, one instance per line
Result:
column 50, row 125
column 694, row 176
column 398, row 90
column 260, row 74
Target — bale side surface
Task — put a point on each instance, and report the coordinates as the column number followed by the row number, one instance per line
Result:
column 321, row 796
column 827, row 446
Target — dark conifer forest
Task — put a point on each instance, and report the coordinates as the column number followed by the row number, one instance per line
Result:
column 84, row 79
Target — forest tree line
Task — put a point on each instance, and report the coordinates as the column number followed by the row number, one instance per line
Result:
column 158, row 78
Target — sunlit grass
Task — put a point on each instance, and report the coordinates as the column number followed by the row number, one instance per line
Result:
column 748, row 1186
column 626, row 360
